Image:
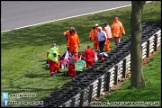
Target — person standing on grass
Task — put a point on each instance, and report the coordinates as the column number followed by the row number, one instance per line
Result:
column 89, row 56
column 73, row 42
column 53, row 59
column 48, row 51
column 117, row 30
column 93, row 36
column 102, row 37
column 68, row 32
column 108, row 32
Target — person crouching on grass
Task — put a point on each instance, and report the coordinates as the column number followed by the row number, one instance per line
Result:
column 80, row 65
column 71, row 65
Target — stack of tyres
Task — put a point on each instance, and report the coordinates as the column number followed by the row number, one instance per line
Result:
column 95, row 67
column 54, row 103
column 48, row 101
column 108, row 59
column 102, row 70
column 99, row 62
column 82, row 85
column 144, row 37
column 81, row 77
column 125, row 53
column 66, row 97
column 71, row 83
column 122, row 46
column 90, row 78
column 89, row 70
column 108, row 65
column 69, row 86
column 96, row 75
column 86, row 81
column 120, row 57
column 114, row 61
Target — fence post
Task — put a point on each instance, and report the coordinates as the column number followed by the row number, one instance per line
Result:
column 116, row 74
column 82, row 98
column 90, row 93
column 148, row 49
column 99, row 87
column 124, row 68
column 155, row 43
column 73, row 102
column 107, row 81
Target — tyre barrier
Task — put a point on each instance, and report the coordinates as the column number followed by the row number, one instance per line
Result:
column 102, row 75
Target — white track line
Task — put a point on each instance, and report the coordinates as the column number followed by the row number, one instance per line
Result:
column 70, row 17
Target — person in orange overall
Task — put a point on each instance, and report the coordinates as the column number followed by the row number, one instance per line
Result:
column 73, row 42
column 89, row 56
column 68, row 32
column 93, row 36
column 71, row 65
column 108, row 32
column 117, row 30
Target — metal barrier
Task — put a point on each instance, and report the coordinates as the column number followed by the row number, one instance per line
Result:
column 103, row 75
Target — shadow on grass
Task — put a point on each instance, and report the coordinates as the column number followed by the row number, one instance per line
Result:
column 36, row 75
column 42, row 61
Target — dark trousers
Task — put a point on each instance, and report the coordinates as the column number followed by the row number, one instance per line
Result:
column 101, row 45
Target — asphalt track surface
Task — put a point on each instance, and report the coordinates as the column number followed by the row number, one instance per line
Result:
column 20, row 14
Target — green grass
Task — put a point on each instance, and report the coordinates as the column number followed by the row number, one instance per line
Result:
column 150, row 93
column 23, row 51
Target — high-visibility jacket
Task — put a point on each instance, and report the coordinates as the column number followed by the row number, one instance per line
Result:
column 117, row 29
column 73, row 42
column 51, row 54
column 108, row 32
column 53, row 48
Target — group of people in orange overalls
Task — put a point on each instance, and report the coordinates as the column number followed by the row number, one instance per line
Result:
column 101, row 42
column 101, row 35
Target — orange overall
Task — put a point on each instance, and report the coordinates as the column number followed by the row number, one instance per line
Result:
column 93, row 36
column 73, row 43
column 117, row 29
column 107, row 30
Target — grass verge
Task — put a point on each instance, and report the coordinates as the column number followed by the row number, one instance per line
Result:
column 23, row 51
